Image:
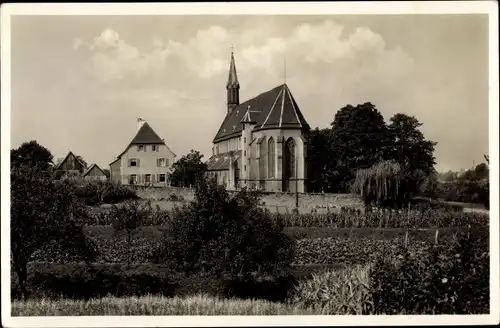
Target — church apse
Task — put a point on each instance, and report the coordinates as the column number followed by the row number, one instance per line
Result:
column 263, row 137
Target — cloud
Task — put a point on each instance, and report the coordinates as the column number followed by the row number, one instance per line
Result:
column 205, row 55
column 327, row 68
column 113, row 59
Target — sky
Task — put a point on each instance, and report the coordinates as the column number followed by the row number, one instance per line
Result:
column 79, row 83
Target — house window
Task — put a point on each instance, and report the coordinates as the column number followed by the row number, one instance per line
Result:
column 244, row 153
column 163, row 178
column 244, row 167
column 155, row 148
column 166, row 162
column 244, row 139
column 161, row 162
column 133, row 162
column 132, row 179
column 141, row 148
column 147, row 178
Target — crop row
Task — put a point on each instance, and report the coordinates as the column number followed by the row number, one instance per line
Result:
column 344, row 219
column 335, row 246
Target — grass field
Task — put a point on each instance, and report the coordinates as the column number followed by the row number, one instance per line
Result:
column 153, row 305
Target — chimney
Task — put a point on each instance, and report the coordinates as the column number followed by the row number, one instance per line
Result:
column 140, row 122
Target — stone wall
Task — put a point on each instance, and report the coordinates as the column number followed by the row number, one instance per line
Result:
column 270, row 200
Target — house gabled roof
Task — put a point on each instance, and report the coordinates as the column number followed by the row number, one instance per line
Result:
column 66, row 158
column 90, row 169
column 273, row 109
column 146, row 135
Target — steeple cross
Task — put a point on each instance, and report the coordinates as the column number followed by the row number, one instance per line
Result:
column 232, row 47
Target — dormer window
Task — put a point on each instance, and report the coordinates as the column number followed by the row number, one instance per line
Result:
column 237, row 112
column 234, row 127
column 224, row 131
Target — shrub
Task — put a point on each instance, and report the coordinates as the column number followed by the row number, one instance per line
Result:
column 225, row 236
column 95, row 192
column 336, row 292
column 450, row 279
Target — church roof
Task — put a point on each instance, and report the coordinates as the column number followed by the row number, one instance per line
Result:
column 146, row 135
column 232, row 81
column 220, row 162
column 272, row 109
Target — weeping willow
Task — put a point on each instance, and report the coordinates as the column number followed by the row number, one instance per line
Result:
column 380, row 183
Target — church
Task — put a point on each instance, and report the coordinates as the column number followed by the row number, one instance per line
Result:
column 260, row 143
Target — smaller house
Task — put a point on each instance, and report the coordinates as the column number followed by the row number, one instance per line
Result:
column 146, row 160
column 70, row 166
column 94, row 172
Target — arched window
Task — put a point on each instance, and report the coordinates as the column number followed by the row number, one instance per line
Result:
column 290, row 160
column 270, row 158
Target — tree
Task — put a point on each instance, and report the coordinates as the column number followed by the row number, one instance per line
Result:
column 31, row 154
column 188, row 169
column 481, row 171
column 360, row 138
column 380, row 184
column 43, row 211
column 411, row 150
column 224, row 235
column 318, row 158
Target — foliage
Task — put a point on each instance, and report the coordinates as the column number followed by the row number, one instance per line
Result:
column 154, row 305
column 380, row 184
column 31, row 154
column 465, row 191
column 188, row 170
column 336, row 292
column 318, row 158
column 225, row 236
column 109, row 192
column 43, row 211
column 128, row 218
column 359, row 140
column 350, row 251
column 422, row 214
column 84, row 281
column 450, row 279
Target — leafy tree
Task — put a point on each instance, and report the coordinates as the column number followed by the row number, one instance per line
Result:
column 188, row 169
column 225, row 236
column 43, row 211
column 412, row 151
column 380, row 184
column 31, row 154
column 481, row 171
column 318, row 158
column 360, row 138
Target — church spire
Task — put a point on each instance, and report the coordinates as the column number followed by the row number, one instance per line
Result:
column 232, row 86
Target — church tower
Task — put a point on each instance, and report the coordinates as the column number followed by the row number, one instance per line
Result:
column 232, row 87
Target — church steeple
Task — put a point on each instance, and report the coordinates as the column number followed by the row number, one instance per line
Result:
column 232, row 87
